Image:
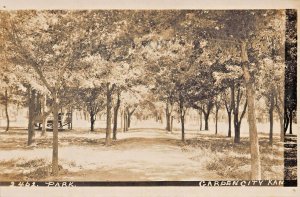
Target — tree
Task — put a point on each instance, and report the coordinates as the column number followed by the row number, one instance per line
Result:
column 132, row 97
column 203, row 82
column 6, row 110
column 182, row 111
column 31, row 115
column 290, row 101
column 237, row 118
column 279, row 105
column 246, row 29
column 165, row 57
column 246, row 34
column 116, row 110
column 205, row 109
column 5, row 97
column 93, row 101
column 230, row 76
column 228, row 99
column 11, row 86
column 200, row 118
column 109, row 55
column 182, row 96
column 109, row 90
column 129, row 114
column 271, row 88
column 217, row 102
column 179, row 51
column 163, row 72
column 9, row 96
column 46, row 43
column 150, row 107
column 44, row 114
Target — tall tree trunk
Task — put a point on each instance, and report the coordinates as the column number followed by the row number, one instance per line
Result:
column 281, row 127
column 237, row 132
column 236, row 105
column 92, row 121
column 206, row 117
column 115, row 125
column 171, row 125
column 108, row 115
column 271, row 128
column 125, row 120
column 44, row 124
column 182, row 127
column 182, row 114
column 291, row 121
column 238, row 120
column 116, row 111
column 168, row 117
column 250, row 93
column 70, row 125
column 271, row 118
column 38, row 105
column 200, row 119
column 279, row 109
column 6, row 110
column 232, row 104
column 122, row 117
column 229, row 124
column 206, row 113
column 129, row 114
column 55, row 136
column 217, row 110
column 31, row 132
column 279, row 106
column 286, row 120
column 128, row 120
column 44, row 118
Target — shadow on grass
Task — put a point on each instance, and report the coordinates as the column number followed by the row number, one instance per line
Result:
column 24, row 170
column 213, row 152
column 232, row 160
column 143, row 129
column 142, row 142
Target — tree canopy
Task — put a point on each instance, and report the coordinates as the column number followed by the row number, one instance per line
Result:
column 186, row 59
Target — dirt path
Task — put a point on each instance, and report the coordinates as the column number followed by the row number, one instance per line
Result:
column 141, row 159
column 157, row 156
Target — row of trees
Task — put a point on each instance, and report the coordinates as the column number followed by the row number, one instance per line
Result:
column 112, row 60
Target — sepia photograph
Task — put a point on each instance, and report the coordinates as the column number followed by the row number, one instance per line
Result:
column 175, row 97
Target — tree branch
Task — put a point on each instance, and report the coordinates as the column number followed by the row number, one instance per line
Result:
column 226, row 106
column 243, row 112
column 26, row 55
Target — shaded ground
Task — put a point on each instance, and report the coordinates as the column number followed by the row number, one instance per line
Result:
column 139, row 155
column 232, row 161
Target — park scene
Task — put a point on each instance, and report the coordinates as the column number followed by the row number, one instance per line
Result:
column 147, row 95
